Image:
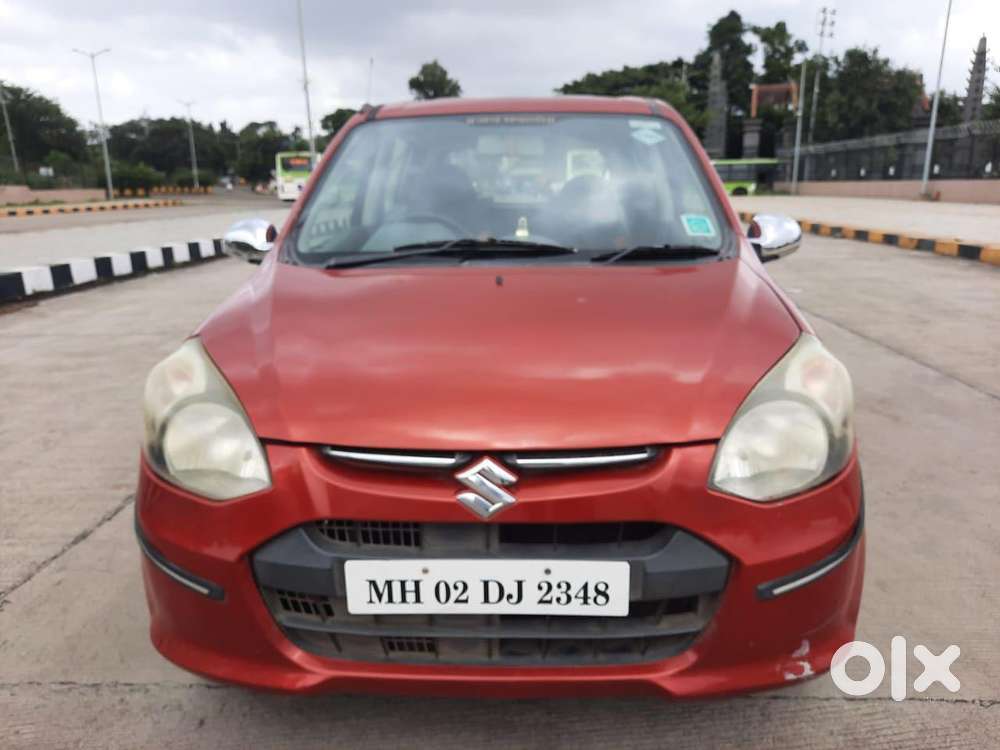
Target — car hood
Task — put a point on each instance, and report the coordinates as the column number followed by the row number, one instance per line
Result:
column 492, row 357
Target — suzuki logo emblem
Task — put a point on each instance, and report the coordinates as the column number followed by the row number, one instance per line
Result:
column 487, row 479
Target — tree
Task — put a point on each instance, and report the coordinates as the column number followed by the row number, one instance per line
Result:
column 163, row 144
column 229, row 145
column 991, row 109
column 296, row 140
column 865, row 95
column 432, row 82
column 780, row 48
column 334, row 121
column 259, row 142
column 40, row 126
column 662, row 80
column 725, row 36
column 623, row 82
column 949, row 109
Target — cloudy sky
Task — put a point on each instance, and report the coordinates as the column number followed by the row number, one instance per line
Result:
column 239, row 59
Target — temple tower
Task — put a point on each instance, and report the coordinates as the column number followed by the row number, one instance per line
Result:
column 718, row 110
column 972, row 109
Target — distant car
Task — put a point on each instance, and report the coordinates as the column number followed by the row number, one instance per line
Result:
column 511, row 407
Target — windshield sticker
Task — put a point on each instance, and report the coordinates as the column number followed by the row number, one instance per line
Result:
column 697, row 225
column 647, row 123
column 647, row 135
column 527, row 119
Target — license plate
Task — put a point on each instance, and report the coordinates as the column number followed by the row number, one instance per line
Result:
column 486, row 587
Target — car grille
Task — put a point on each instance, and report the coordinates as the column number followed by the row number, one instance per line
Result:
column 371, row 533
column 361, row 534
column 676, row 580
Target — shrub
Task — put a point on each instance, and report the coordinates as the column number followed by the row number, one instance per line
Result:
column 36, row 182
column 9, row 177
column 184, row 178
column 133, row 176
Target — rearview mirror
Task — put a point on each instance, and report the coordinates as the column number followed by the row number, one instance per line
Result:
column 249, row 239
column 774, row 236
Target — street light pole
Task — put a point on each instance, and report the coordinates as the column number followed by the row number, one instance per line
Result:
column 10, row 132
column 934, row 109
column 305, row 88
column 100, row 117
column 371, row 69
column 194, row 153
column 798, row 129
column 828, row 18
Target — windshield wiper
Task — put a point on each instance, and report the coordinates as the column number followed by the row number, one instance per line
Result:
column 462, row 247
column 642, row 252
column 487, row 242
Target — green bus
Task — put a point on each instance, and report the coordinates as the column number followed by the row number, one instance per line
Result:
column 747, row 176
column 291, row 171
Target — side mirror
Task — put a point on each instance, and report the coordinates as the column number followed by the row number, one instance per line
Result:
column 774, row 236
column 249, row 239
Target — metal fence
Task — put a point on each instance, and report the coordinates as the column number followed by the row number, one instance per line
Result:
column 970, row 151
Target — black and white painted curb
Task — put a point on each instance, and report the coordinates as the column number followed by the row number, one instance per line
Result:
column 26, row 282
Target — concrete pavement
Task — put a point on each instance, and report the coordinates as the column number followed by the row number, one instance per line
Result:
column 917, row 331
column 955, row 221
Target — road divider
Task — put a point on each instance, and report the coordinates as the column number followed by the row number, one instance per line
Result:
column 954, row 248
column 18, row 284
column 190, row 190
column 86, row 208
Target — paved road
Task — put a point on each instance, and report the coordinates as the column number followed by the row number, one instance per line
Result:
column 967, row 222
column 918, row 332
column 36, row 240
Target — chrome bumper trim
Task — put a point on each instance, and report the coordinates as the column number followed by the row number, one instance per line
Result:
column 583, row 460
column 531, row 460
column 817, row 570
column 393, row 459
column 203, row 587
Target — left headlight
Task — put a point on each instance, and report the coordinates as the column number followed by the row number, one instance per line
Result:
column 197, row 433
column 794, row 431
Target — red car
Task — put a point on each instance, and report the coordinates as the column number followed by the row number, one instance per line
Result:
column 510, row 408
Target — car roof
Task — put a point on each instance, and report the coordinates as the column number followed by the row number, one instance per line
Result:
column 582, row 104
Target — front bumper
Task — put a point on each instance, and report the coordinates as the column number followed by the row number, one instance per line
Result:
column 762, row 631
column 290, row 191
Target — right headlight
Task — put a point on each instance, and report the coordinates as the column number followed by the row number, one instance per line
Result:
column 197, row 433
column 794, row 431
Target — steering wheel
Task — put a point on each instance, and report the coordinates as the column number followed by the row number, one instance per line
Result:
column 432, row 219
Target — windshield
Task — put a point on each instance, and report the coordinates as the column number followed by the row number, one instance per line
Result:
column 590, row 182
column 294, row 163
